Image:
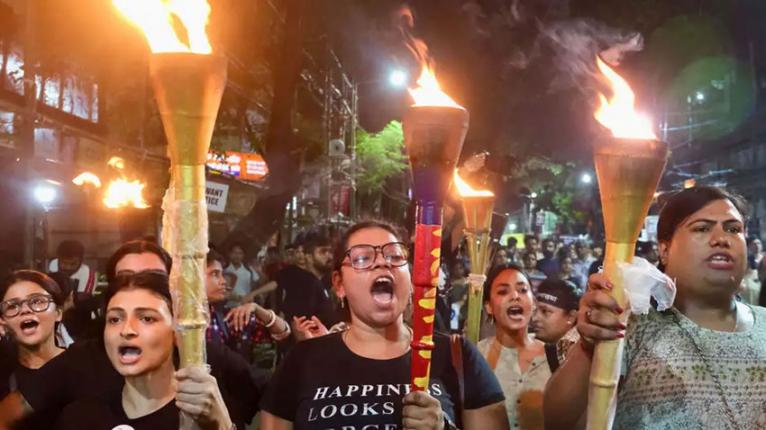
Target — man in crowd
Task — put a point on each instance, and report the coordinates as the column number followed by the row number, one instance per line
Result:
column 555, row 318
column 246, row 278
column 582, row 263
column 549, row 264
column 69, row 261
column 532, row 244
column 305, row 293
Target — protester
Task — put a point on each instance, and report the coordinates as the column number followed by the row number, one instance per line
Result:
column 649, row 251
column 530, row 269
column 246, row 277
column 532, row 245
column 511, row 249
column 500, row 257
column 582, row 260
column 750, row 289
column 84, row 370
column 549, row 264
column 566, row 270
column 31, row 309
column 69, row 261
column 556, row 318
column 695, row 365
column 302, row 292
column 361, row 377
column 513, row 353
column 139, row 341
column 246, row 325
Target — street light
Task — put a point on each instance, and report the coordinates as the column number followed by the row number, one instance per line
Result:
column 586, row 178
column 45, row 194
column 398, row 78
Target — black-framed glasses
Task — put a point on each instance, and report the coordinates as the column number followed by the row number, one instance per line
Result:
column 37, row 303
column 363, row 257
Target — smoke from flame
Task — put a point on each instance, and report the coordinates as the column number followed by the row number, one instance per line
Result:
column 156, row 19
column 618, row 113
column 465, row 189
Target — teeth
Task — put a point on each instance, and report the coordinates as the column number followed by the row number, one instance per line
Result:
column 129, row 350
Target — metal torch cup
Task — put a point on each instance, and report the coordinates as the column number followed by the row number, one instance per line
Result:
column 628, row 172
column 477, row 213
column 188, row 89
column 434, row 138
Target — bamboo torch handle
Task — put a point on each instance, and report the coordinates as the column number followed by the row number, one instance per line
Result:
column 607, row 356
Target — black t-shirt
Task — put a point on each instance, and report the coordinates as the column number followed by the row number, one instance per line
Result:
column 106, row 413
column 84, row 371
column 322, row 384
column 302, row 294
column 12, row 375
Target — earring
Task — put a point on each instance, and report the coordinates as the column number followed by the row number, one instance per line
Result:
column 342, row 302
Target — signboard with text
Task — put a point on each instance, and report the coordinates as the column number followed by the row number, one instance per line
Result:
column 216, row 195
column 241, row 165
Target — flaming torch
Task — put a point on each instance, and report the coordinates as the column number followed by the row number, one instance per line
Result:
column 628, row 169
column 188, row 83
column 477, row 213
column 434, row 130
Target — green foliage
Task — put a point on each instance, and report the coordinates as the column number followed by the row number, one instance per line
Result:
column 380, row 157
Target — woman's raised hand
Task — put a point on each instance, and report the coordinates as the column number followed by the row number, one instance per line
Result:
column 598, row 317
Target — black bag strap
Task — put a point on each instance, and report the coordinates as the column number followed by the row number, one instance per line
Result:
column 456, row 350
column 552, row 356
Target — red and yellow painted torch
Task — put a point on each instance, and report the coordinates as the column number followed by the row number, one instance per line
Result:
column 434, row 130
column 628, row 167
column 477, row 215
column 188, row 82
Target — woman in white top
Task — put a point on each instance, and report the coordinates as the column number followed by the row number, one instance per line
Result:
column 517, row 358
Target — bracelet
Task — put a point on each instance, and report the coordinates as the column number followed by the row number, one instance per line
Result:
column 272, row 320
column 284, row 335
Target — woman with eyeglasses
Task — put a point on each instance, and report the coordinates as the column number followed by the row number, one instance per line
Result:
column 30, row 310
column 360, row 378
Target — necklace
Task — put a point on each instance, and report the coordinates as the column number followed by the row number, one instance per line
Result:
column 709, row 368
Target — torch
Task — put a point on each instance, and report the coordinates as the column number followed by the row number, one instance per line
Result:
column 434, row 130
column 477, row 215
column 188, row 84
column 628, row 167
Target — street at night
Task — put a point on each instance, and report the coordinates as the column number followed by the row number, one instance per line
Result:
column 382, row 215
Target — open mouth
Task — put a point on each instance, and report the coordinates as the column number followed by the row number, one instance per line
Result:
column 515, row 312
column 29, row 326
column 720, row 261
column 383, row 290
column 129, row 354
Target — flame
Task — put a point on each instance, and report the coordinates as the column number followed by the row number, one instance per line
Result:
column 618, row 114
column 116, row 162
column 428, row 92
column 123, row 193
column 87, row 178
column 465, row 190
column 155, row 18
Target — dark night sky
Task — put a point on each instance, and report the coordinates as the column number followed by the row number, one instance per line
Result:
column 520, row 66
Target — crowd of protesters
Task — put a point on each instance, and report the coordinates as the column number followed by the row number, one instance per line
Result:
column 316, row 334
